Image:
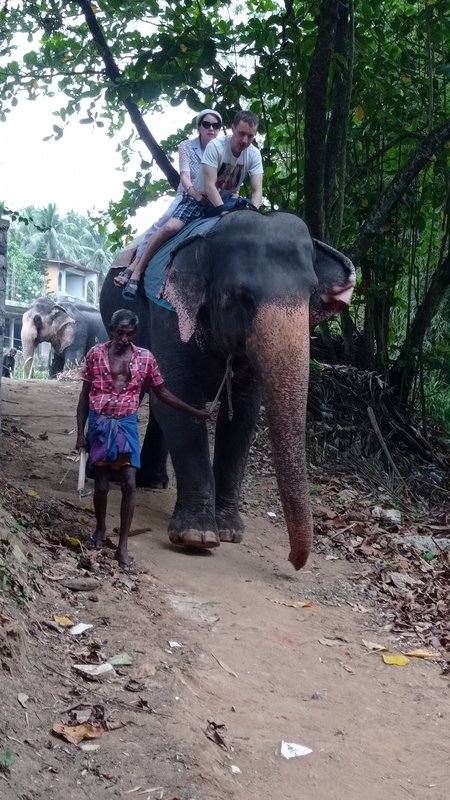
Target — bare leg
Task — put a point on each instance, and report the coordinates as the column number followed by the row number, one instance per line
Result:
column 123, row 277
column 169, row 229
column 100, row 503
column 128, row 485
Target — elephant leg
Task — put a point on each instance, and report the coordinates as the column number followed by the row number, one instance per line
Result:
column 232, row 444
column 193, row 521
column 73, row 357
column 184, row 368
column 153, row 471
column 56, row 364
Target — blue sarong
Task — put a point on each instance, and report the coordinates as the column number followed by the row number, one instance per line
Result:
column 108, row 438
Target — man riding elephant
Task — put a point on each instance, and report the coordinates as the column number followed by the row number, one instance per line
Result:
column 226, row 163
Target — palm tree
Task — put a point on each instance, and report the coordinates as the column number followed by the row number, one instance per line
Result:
column 50, row 227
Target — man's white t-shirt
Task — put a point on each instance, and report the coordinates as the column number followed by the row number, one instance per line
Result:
column 231, row 170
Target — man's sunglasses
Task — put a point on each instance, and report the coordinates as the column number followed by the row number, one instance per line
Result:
column 215, row 125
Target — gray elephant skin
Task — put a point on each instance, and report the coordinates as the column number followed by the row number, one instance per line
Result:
column 71, row 328
column 253, row 288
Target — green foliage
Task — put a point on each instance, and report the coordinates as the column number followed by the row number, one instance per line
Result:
column 25, row 278
column 260, row 56
column 437, row 398
column 46, row 235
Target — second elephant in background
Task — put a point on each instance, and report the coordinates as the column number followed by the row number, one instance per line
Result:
column 70, row 328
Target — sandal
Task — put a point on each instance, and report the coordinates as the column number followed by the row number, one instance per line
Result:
column 123, row 277
column 131, row 289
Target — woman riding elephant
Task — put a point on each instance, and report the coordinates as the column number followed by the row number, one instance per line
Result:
column 190, row 154
column 249, row 291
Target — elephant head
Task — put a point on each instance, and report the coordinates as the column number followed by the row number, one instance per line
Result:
column 45, row 321
column 254, row 287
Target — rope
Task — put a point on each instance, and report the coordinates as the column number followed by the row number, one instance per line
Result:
column 227, row 378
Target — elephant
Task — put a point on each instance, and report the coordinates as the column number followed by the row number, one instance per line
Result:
column 249, row 292
column 71, row 328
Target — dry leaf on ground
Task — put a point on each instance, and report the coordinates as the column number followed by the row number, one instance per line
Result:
column 337, row 642
column 374, row 646
column 64, row 622
column 423, row 654
column 296, row 604
column 76, row 733
column 217, row 733
column 396, row 661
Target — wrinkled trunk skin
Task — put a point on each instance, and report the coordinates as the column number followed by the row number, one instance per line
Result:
column 28, row 336
column 280, row 346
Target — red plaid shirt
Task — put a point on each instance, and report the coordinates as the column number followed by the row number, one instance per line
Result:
column 103, row 398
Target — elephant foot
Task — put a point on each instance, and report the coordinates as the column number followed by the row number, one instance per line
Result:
column 230, row 526
column 201, row 540
column 231, row 536
column 152, row 483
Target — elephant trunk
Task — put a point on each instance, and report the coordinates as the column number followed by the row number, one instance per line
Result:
column 280, row 346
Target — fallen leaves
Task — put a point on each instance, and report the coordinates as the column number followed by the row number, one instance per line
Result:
column 90, row 730
column 86, row 722
column 217, row 734
column 121, row 660
column 401, row 659
column 337, row 642
column 374, row 646
column 294, row 604
column 64, row 622
column 431, row 654
column 73, row 542
column 396, row 661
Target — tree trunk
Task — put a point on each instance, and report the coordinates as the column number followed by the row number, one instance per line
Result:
column 336, row 148
column 4, row 225
column 114, row 74
column 316, row 117
column 402, row 373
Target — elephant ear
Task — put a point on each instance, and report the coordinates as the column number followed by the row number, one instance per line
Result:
column 185, row 284
column 336, row 276
column 60, row 317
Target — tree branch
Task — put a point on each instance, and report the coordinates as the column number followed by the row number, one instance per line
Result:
column 113, row 73
column 434, row 141
column 402, row 372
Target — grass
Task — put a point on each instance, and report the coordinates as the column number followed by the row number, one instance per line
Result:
column 19, row 373
column 437, row 396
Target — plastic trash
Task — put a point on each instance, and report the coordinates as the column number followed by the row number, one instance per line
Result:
column 292, row 750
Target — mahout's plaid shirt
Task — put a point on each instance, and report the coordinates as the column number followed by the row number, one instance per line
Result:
column 103, row 398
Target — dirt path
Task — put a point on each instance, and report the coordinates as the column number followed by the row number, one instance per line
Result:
column 246, row 661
